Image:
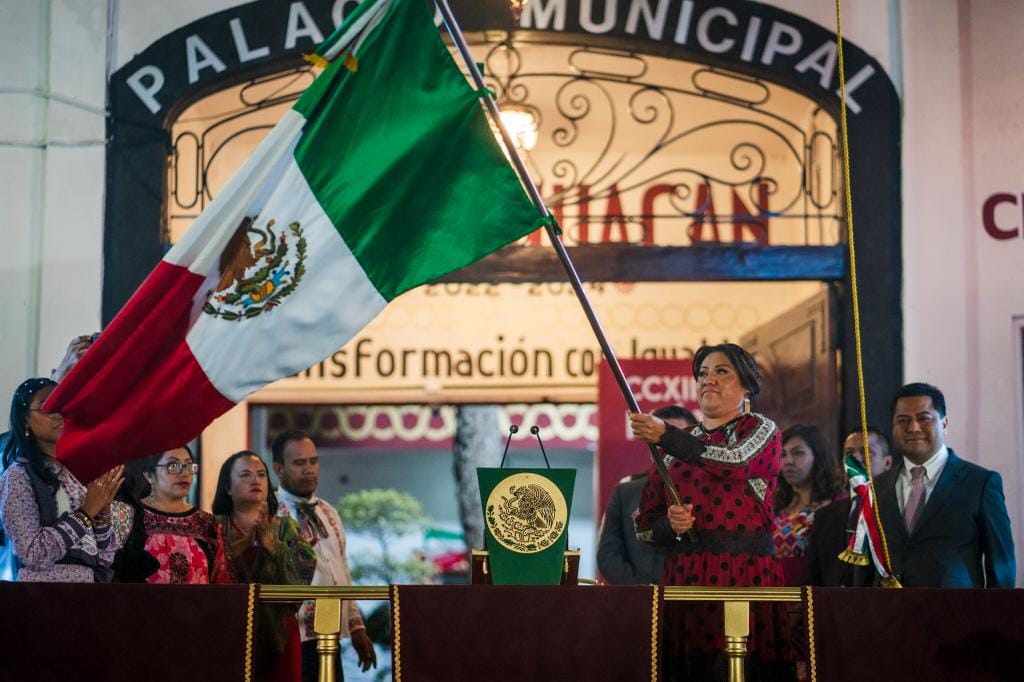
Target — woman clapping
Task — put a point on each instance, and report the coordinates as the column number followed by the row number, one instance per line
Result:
column 60, row 530
column 263, row 548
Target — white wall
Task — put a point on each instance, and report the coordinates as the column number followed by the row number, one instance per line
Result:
column 994, row 134
column 139, row 23
column 871, row 24
column 52, row 91
column 962, row 127
column 53, row 71
column 936, row 248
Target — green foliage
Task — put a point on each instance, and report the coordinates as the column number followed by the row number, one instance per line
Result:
column 386, row 514
column 376, row 569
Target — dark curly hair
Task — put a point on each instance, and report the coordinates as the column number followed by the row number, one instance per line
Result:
column 826, row 478
column 21, row 445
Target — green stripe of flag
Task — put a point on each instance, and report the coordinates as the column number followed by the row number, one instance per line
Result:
column 401, row 157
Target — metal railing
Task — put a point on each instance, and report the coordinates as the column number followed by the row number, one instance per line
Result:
column 327, row 621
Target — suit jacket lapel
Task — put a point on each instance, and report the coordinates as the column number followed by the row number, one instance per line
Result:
column 943, row 490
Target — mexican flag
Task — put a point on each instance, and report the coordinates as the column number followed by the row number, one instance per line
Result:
column 384, row 175
column 866, row 543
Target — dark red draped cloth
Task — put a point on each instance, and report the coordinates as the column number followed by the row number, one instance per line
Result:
column 495, row 633
column 113, row 632
column 917, row 634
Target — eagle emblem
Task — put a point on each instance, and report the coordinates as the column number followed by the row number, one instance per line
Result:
column 258, row 269
column 526, row 513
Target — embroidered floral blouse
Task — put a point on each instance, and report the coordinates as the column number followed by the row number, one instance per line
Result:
column 792, row 530
column 727, row 473
column 69, row 550
column 291, row 563
column 179, row 548
column 326, row 534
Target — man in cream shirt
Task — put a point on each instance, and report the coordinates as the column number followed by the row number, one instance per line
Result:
column 945, row 518
column 297, row 467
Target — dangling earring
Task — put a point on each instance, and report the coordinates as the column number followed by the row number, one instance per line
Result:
column 746, row 404
column 27, row 433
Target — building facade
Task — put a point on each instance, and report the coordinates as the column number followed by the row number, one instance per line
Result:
column 691, row 150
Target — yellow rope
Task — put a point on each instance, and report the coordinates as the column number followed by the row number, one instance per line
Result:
column 250, row 609
column 654, row 636
column 853, row 281
column 396, row 626
column 812, row 654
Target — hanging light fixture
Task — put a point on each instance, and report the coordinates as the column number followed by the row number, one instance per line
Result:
column 517, row 6
column 521, row 124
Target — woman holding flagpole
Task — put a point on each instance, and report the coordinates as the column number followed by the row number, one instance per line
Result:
column 724, row 469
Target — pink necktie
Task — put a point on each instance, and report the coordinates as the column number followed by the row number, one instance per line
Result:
column 916, row 500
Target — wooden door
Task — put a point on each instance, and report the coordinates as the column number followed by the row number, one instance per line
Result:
column 796, row 354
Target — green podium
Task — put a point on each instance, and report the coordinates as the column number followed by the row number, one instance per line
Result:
column 526, row 522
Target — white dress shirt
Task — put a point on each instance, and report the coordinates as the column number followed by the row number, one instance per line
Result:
column 932, row 470
column 331, row 564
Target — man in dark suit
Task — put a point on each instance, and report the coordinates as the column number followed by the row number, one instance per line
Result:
column 945, row 519
column 833, row 524
column 621, row 558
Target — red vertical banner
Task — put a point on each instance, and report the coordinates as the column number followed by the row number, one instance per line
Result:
column 655, row 383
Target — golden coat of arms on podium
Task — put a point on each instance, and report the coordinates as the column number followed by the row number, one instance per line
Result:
column 526, row 513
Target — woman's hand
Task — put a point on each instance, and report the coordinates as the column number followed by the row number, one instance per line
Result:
column 100, row 493
column 646, row 427
column 265, row 530
column 680, row 517
column 76, row 349
column 237, row 547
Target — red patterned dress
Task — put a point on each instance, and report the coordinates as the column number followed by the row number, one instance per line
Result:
column 729, row 475
column 188, row 546
column 176, row 548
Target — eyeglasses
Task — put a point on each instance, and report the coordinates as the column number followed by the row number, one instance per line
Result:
column 177, row 468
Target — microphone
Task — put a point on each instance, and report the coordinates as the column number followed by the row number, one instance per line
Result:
column 512, row 430
column 535, row 430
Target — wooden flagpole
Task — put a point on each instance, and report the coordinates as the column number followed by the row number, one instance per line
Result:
column 553, row 234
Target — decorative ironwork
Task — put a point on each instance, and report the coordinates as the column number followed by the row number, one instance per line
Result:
column 691, row 131
column 690, row 149
column 211, row 128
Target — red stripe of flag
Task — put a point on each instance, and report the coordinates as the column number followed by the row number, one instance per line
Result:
column 138, row 390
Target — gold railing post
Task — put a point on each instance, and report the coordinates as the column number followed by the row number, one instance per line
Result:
column 737, row 629
column 327, row 625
